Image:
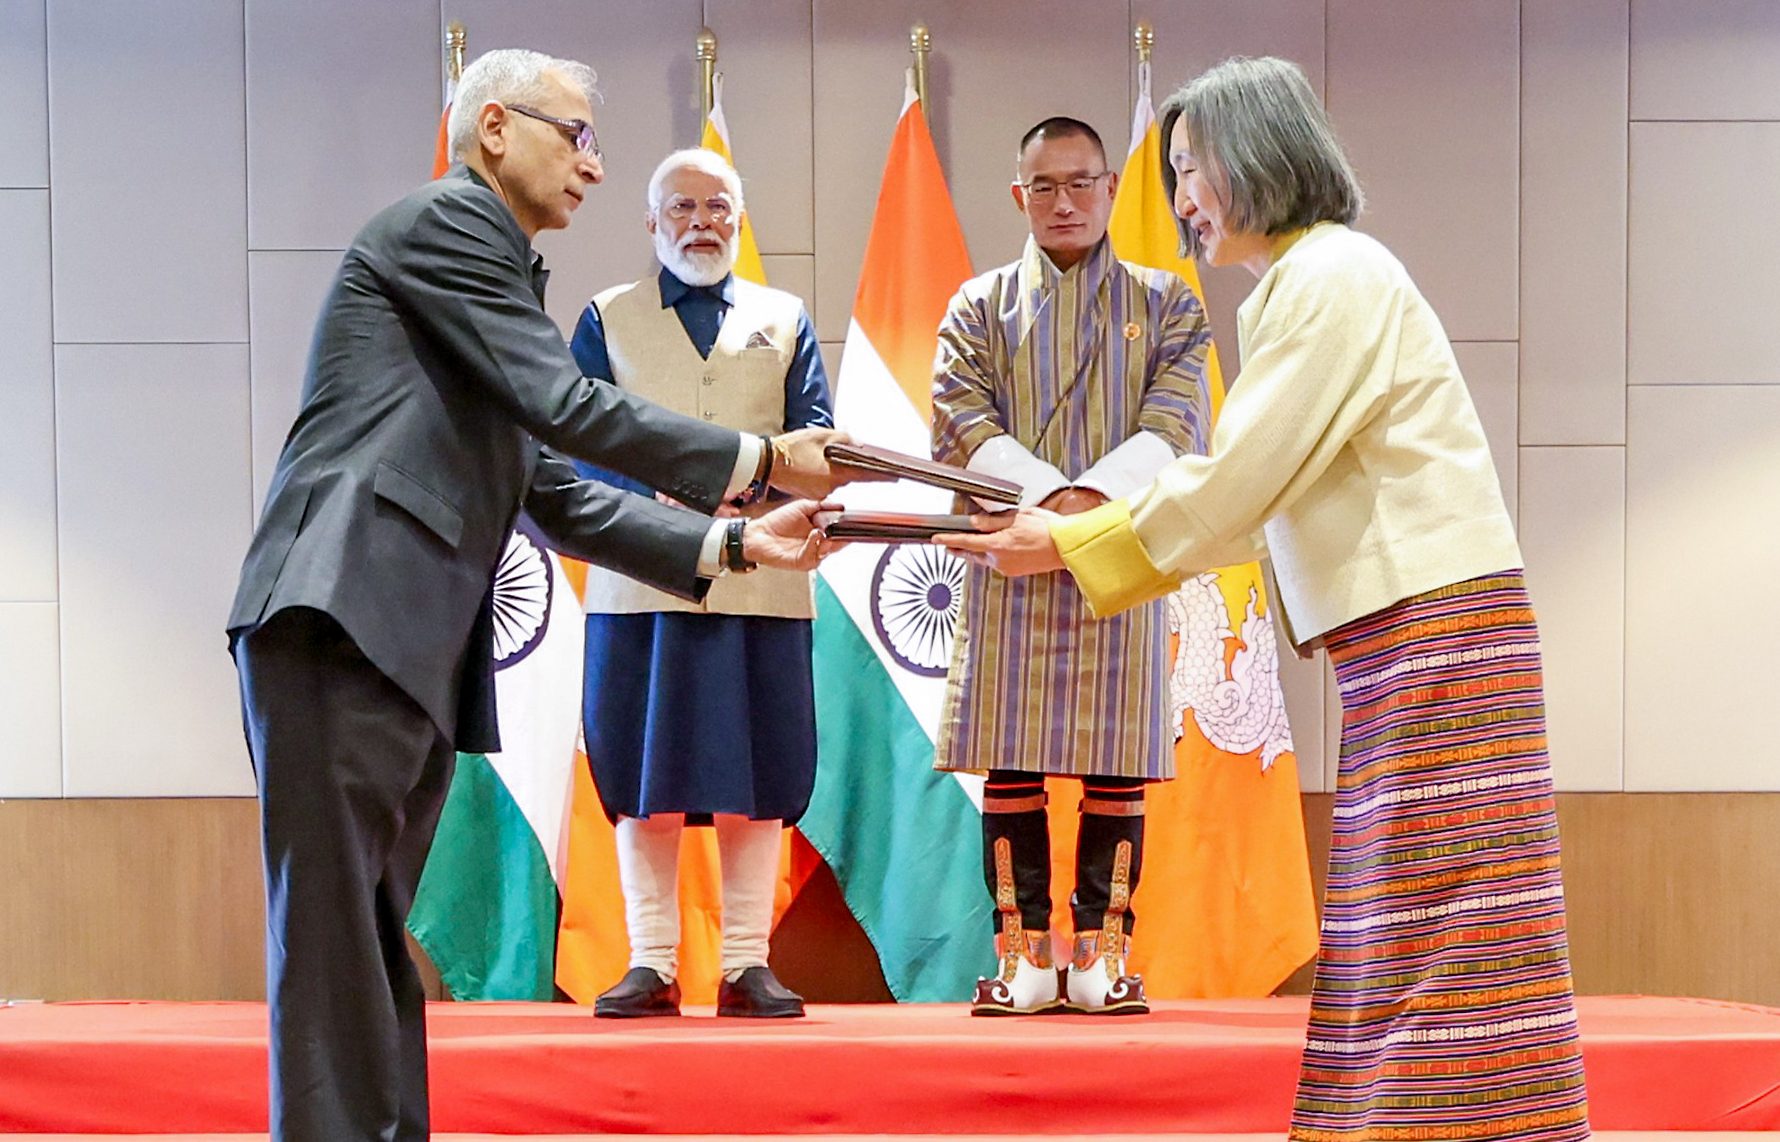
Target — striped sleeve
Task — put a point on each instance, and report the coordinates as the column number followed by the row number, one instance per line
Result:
column 964, row 411
column 1177, row 404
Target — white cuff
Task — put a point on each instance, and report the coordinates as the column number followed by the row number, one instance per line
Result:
column 1132, row 465
column 710, row 552
column 1004, row 457
column 746, row 461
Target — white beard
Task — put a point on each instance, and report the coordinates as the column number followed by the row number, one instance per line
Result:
column 695, row 268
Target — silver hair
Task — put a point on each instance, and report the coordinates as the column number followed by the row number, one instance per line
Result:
column 508, row 75
column 1263, row 140
column 698, row 159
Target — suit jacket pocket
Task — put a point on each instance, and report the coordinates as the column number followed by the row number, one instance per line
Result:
column 419, row 501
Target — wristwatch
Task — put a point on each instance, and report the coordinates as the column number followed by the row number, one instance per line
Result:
column 733, row 559
column 763, row 476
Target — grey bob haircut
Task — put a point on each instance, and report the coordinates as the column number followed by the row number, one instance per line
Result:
column 1263, row 138
column 508, row 76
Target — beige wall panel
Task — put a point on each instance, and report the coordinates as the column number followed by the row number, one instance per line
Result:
column 1192, row 35
column 643, row 54
column 131, row 899
column 794, row 273
column 1331, row 725
column 763, row 51
column 288, row 287
column 987, row 86
column 1573, row 221
column 30, row 702
column 24, row 92
column 1674, row 894
column 1426, row 98
column 27, row 402
column 1685, row 911
column 1492, row 374
column 148, row 190
column 1702, row 558
column 1705, row 59
column 831, row 359
column 1302, row 680
column 343, row 102
column 1702, row 296
column 153, row 471
column 1572, row 532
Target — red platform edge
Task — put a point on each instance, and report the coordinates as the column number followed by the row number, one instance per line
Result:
column 1223, row 1067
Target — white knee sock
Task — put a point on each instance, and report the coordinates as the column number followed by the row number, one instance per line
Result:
column 749, row 854
column 649, row 874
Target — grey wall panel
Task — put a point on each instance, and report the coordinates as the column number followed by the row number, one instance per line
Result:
column 763, row 51
column 1573, row 222
column 24, row 92
column 986, row 91
column 1426, row 98
column 1702, row 476
column 27, row 403
column 795, row 273
column 152, row 461
column 1705, row 60
column 288, row 287
column 30, row 701
column 644, row 57
column 1572, row 532
column 147, row 175
column 1492, row 375
column 343, row 104
column 1704, row 265
column 1192, row 35
column 1302, row 681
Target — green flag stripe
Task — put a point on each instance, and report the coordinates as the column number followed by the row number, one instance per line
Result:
column 889, row 826
column 486, row 910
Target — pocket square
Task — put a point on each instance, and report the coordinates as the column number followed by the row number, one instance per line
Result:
column 758, row 340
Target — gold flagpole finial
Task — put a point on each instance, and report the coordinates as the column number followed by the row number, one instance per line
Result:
column 455, row 41
column 920, row 44
column 1144, row 39
column 707, row 70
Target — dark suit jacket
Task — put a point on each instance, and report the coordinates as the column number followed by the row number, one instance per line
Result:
column 436, row 390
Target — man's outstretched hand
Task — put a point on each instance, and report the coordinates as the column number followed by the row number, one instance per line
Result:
column 799, row 467
column 789, row 537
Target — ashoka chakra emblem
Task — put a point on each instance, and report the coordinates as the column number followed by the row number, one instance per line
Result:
column 522, row 591
column 916, row 592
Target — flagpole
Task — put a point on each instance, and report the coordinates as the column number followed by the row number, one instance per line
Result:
column 455, row 39
column 920, row 44
column 706, row 53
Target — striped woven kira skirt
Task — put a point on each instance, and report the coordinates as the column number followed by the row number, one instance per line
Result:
column 1442, row 1007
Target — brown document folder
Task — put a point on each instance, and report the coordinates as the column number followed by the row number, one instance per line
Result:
column 924, row 471
column 899, row 527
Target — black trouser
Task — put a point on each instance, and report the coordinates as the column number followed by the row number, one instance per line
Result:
column 352, row 776
column 1013, row 812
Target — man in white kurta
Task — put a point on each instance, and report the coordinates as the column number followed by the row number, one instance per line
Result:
column 702, row 712
column 1079, row 377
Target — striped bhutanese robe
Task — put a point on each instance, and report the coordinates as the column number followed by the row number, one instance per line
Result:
column 1070, row 365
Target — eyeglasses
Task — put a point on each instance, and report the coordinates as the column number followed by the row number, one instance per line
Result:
column 578, row 131
column 681, row 207
column 1043, row 191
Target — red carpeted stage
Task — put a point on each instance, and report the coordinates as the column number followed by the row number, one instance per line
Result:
column 506, row 1068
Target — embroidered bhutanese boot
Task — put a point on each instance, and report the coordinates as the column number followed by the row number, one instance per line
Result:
column 1017, row 869
column 1109, row 856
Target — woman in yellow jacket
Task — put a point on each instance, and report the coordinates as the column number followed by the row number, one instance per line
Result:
column 1349, row 451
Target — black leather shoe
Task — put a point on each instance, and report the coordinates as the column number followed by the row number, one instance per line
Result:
column 758, row 994
column 641, row 992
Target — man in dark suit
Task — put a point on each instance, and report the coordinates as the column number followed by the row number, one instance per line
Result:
column 437, row 391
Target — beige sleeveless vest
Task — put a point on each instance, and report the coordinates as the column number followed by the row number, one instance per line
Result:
column 741, row 386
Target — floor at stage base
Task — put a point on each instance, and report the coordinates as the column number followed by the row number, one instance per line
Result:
column 1189, row 1068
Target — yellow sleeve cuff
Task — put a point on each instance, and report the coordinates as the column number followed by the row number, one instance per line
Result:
column 1112, row 569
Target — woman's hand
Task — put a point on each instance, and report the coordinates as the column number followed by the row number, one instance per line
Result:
column 1019, row 544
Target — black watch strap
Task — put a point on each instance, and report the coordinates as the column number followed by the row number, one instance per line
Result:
column 733, row 559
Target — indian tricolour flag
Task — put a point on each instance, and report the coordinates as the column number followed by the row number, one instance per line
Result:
column 902, row 840
column 1226, row 900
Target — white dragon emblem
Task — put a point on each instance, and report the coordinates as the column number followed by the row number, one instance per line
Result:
column 1239, row 709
